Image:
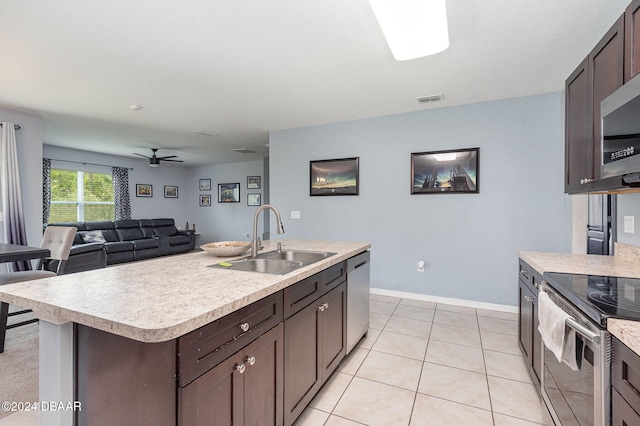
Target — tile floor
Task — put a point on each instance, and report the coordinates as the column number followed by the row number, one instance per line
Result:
column 424, row 363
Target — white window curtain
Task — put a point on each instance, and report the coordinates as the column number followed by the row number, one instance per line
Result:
column 14, row 229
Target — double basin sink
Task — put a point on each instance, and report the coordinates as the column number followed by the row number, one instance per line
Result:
column 276, row 262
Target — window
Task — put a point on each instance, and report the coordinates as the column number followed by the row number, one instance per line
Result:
column 78, row 196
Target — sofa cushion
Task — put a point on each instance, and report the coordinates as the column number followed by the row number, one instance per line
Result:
column 146, row 228
column 145, row 243
column 179, row 239
column 118, row 246
column 128, row 223
column 128, row 234
column 165, row 230
column 92, row 237
column 85, row 248
column 162, row 222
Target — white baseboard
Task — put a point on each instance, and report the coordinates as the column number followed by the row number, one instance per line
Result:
column 447, row 300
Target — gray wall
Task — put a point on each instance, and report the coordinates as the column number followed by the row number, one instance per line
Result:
column 469, row 241
column 628, row 205
column 224, row 221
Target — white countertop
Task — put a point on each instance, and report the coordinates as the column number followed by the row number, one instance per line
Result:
column 166, row 297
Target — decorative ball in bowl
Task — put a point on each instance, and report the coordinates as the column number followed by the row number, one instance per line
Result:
column 226, row 248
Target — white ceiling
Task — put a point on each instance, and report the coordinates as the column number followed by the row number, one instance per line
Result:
column 242, row 68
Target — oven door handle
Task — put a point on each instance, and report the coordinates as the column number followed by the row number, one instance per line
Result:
column 583, row 331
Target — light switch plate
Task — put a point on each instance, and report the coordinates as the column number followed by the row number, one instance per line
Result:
column 295, row 214
column 629, row 224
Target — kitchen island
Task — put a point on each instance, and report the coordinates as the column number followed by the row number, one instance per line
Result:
column 148, row 307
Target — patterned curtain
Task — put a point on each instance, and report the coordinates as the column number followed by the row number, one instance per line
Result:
column 46, row 190
column 14, row 228
column 121, row 193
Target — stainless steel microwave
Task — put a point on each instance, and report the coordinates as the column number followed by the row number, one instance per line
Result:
column 620, row 113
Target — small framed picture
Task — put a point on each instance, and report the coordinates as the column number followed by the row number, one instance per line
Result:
column 453, row 171
column 144, row 190
column 228, row 192
column 253, row 199
column 253, row 182
column 205, row 200
column 170, row 192
column 205, row 184
column 334, row 177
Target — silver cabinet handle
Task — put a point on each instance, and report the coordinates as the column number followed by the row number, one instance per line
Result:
column 326, row 305
column 250, row 359
column 244, row 326
column 530, row 299
column 239, row 368
column 321, row 308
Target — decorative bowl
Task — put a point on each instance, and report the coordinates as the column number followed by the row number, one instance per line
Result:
column 226, row 248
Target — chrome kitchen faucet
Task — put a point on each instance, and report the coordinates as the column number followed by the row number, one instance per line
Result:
column 254, row 240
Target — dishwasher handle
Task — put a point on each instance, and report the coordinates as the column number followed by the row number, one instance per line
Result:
column 358, row 261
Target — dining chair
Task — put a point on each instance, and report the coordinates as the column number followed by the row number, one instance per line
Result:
column 58, row 239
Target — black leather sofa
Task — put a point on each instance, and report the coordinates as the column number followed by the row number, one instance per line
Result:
column 98, row 244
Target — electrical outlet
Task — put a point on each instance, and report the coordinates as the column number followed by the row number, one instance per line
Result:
column 629, row 224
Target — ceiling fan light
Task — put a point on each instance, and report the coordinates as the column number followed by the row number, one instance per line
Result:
column 154, row 164
column 413, row 28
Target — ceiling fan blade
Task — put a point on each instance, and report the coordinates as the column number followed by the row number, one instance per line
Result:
column 141, row 155
column 173, row 161
column 168, row 156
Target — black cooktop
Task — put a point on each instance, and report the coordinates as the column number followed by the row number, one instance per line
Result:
column 599, row 297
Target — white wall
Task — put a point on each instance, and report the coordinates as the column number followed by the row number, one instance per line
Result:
column 224, row 221
column 628, row 205
column 141, row 207
column 29, row 141
column 469, row 241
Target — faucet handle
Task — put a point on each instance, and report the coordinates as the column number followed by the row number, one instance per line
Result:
column 279, row 249
column 259, row 241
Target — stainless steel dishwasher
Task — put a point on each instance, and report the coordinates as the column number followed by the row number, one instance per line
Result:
column 357, row 298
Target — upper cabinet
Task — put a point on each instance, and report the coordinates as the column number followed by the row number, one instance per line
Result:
column 632, row 40
column 599, row 75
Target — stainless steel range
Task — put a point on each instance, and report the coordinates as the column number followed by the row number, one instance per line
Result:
column 583, row 397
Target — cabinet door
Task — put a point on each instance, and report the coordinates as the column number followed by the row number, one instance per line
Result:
column 606, row 74
column 578, row 152
column 302, row 352
column 632, row 40
column 525, row 319
column 263, row 380
column 214, row 398
column 536, row 343
column 621, row 412
column 334, row 329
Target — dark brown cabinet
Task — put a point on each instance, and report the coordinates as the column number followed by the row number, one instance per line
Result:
column 625, row 381
column 599, row 75
column 529, row 338
column 314, row 344
column 245, row 389
column 632, row 40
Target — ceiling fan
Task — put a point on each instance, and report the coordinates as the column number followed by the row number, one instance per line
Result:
column 154, row 161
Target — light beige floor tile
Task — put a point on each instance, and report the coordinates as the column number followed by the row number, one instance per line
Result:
column 21, row 418
column 507, row 366
column 352, row 362
column 420, row 303
column 499, row 342
column 367, row 341
column 502, row 420
column 455, row 334
column 455, row 308
column 408, row 326
column 414, row 312
column 331, row 392
column 430, row 411
column 339, row 421
column 374, row 403
column 511, row 316
column 401, row 344
column 458, row 356
column 498, row 325
column 387, row 299
column 454, row 384
column 456, row 318
column 391, row 370
column 378, row 321
column 311, row 417
column 382, row 307
column 516, row 399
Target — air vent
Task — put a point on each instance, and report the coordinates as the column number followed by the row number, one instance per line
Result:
column 243, row 151
column 430, row 98
column 205, row 133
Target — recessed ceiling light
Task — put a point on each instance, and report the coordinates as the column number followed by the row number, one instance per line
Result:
column 135, row 107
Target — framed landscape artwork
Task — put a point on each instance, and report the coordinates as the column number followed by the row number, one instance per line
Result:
column 170, row 192
column 205, row 184
column 205, row 200
column 334, row 177
column 144, row 190
column 445, row 172
column 253, row 199
column 228, row 192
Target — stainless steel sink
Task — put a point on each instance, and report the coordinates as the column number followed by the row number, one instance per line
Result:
column 276, row 262
column 303, row 256
column 267, row 266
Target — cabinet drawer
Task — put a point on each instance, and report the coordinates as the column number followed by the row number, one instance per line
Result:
column 204, row 348
column 333, row 276
column 621, row 412
column 302, row 293
column 625, row 372
column 529, row 276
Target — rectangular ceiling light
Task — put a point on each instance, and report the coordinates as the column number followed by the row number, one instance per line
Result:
column 413, row 28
